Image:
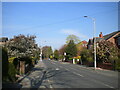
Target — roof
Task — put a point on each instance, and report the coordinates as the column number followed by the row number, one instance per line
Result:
column 3, row 39
column 117, row 36
column 98, row 39
column 106, row 37
column 84, row 42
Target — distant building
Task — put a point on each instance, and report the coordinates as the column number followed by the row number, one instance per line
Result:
column 113, row 37
column 3, row 40
column 84, row 43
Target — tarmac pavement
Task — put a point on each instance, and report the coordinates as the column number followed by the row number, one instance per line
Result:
column 34, row 79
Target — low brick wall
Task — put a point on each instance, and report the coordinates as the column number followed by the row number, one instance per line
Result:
column 108, row 66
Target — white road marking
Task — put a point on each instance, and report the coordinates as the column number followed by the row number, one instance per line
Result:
column 83, row 76
column 75, row 73
column 57, row 69
column 78, row 74
column 93, row 80
column 51, row 86
column 103, row 84
column 72, row 72
column 50, row 83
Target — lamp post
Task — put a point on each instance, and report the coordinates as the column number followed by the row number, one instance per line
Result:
column 94, row 38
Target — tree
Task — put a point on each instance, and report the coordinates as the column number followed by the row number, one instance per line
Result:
column 62, row 49
column 56, row 55
column 61, row 52
column 107, row 51
column 21, row 46
column 87, row 56
column 71, row 49
column 74, row 38
column 80, row 48
column 47, row 51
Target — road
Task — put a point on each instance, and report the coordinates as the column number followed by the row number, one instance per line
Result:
column 66, row 75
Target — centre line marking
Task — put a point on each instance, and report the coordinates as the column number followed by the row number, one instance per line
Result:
column 75, row 73
column 83, row 76
column 72, row 72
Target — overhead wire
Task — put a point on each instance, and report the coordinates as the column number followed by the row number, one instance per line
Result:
column 68, row 20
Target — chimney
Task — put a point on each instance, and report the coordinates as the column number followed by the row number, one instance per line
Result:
column 101, row 35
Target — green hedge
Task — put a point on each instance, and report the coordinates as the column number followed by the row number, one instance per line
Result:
column 5, row 64
column 12, row 72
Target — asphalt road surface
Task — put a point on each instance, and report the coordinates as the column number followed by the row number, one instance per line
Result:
column 66, row 75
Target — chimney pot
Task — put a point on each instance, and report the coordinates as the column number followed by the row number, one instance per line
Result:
column 101, row 35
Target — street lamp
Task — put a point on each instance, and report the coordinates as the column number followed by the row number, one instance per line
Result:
column 94, row 38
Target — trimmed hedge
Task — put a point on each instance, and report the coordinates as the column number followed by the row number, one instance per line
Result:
column 12, row 72
column 5, row 64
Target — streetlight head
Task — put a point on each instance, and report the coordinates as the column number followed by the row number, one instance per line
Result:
column 85, row 16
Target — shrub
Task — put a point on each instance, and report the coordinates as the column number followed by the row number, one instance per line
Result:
column 11, row 59
column 87, row 56
column 56, row 55
column 4, row 63
column 117, row 64
column 16, row 63
column 12, row 72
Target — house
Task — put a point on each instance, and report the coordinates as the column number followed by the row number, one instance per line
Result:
column 3, row 40
column 117, row 40
column 84, row 43
column 113, row 37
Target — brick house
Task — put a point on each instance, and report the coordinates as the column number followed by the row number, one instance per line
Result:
column 113, row 37
column 84, row 43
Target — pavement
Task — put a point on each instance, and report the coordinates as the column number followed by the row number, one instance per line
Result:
column 34, row 79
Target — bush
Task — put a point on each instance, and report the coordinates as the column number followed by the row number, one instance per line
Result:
column 56, row 55
column 16, row 63
column 12, row 72
column 11, row 59
column 87, row 56
column 117, row 64
column 8, row 69
column 4, row 63
column 61, row 57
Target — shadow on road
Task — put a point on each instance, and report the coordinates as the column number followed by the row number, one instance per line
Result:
column 35, row 84
column 10, row 86
column 52, row 72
